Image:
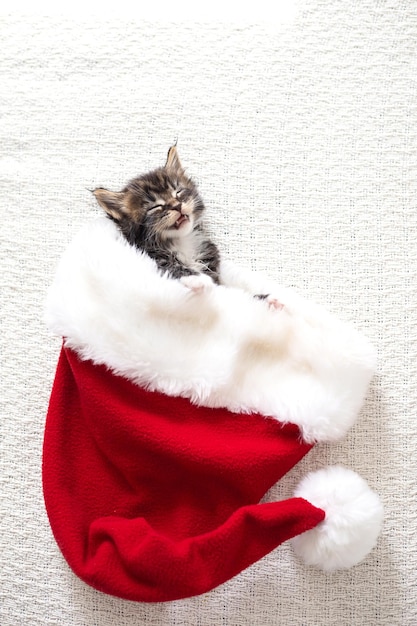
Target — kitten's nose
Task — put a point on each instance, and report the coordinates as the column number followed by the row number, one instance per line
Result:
column 177, row 207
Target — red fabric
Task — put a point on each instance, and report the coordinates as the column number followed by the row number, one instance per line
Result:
column 151, row 498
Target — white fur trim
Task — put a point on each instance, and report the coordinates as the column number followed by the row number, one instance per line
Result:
column 218, row 346
column 352, row 524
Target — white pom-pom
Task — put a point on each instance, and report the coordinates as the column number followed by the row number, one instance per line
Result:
column 352, row 524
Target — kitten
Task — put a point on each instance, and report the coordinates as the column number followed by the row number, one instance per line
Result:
column 161, row 213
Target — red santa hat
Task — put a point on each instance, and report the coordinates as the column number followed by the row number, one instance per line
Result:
column 173, row 413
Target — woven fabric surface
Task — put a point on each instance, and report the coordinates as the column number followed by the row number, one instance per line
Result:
column 303, row 138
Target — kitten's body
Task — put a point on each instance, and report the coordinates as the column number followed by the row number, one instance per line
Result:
column 189, row 255
column 161, row 213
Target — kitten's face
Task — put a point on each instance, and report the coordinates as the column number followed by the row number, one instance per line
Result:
column 163, row 204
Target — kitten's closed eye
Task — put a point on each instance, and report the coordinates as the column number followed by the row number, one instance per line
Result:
column 181, row 194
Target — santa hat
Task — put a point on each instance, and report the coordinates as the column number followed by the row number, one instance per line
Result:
column 173, row 413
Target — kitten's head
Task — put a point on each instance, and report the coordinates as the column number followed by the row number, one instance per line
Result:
column 162, row 204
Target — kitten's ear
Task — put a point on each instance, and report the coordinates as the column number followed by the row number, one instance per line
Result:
column 173, row 162
column 111, row 202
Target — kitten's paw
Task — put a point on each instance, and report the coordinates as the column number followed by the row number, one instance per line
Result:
column 197, row 283
column 273, row 303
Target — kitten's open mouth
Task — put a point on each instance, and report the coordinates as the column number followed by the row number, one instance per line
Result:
column 181, row 220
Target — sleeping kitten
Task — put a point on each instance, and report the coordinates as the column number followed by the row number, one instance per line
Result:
column 161, row 213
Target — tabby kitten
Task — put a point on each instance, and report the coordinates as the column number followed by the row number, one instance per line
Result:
column 161, row 213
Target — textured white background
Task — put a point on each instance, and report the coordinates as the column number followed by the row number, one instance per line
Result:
column 303, row 139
